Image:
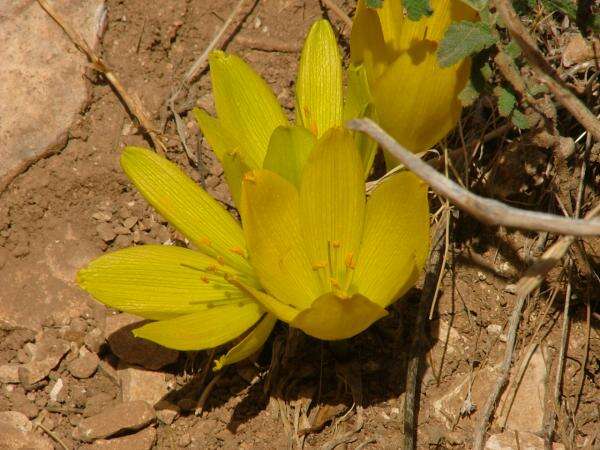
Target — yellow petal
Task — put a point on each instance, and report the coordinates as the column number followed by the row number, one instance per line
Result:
column 204, row 329
column 283, row 311
column 358, row 104
column 289, row 148
column 245, row 105
column 250, row 344
column 367, row 43
column 227, row 150
column 332, row 202
column 319, row 84
column 186, row 206
column 333, row 318
column 159, row 282
column 417, row 101
column 271, row 226
column 395, row 239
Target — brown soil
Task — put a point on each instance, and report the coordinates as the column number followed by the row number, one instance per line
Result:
column 150, row 45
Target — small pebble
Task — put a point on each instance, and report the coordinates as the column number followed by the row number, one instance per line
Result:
column 106, row 232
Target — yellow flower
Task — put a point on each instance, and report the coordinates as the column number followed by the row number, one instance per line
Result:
column 252, row 132
column 187, row 293
column 415, row 100
column 331, row 261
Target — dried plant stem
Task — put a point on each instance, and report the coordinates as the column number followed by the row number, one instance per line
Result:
column 489, row 211
column 206, row 393
column 132, row 102
column 200, row 63
column 545, row 71
column 561, row 358
column 433, row 268
column 338, row 12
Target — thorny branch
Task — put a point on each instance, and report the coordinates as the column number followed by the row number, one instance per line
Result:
column 488, row 211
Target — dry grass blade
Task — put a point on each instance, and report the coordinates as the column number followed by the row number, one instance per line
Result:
column 132, row 102
column 488, row 211
column 545, row 71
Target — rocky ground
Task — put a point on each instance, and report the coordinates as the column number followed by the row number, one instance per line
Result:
column 72, row 375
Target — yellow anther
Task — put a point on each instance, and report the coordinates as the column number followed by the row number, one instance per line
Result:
column 221, row 260
column 350, row 263
column 205, row 241
column 334, row 282
column 319, row 265
column 205, row 279
column 239, row 251
column 336, row 243
column 211, row 268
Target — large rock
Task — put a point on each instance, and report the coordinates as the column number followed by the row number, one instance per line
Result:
column 141, row 384
column 42, row 284
column 509, row 440
column 16, row 433
column 42, row 87
column 47, row 354
column 129, row 416
column 134, row 350
column 143, row 440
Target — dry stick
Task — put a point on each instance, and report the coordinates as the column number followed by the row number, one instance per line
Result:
column 434, row 266
column 207, row 390
column 561, row 358
column 200, row 63
column 488, row 211
column 132, row 102
column 338, row 12
column 531, row 279
column 545, row 71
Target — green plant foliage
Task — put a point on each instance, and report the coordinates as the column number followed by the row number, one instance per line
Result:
column 477, row 5
column 506, row 100
column 520, row 120
column 415, row 9
column 464, row 39
column 374, row 3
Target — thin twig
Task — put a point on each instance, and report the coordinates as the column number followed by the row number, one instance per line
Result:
column 488, row 211
column 545, row 71
column 132, row 102
column 531, row 280
column 50, row 433
column 434, row 266
column 207, row 390
column 338, row 12
column 561, row 357
column 200, row 62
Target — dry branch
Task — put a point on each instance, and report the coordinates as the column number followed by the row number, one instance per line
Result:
column 488, row 211
column 433, row 269
column 545, row 71
column 132, row 102
column 338, row 12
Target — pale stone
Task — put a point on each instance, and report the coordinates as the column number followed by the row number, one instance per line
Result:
column 42, row 87
column 135, row 350
column 42, row 284
column 523, row 441
column 128, row 416
column 48, row 353
column 140, row 384
column 142, row 440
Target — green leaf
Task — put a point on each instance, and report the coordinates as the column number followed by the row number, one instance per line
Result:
column 416, row 9
column 477, row 5
column 469, row 94
column 463, row 39
column 513, row 50
column 520, row 120
column 506, row 101
column 374, row 3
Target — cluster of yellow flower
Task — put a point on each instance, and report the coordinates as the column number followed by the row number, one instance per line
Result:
column 311, row 250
